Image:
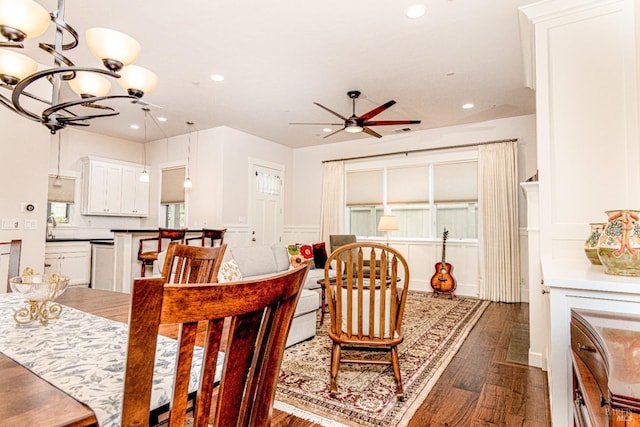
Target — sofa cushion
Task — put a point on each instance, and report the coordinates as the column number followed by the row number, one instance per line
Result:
column 282, row 257
column 229, row 272
column 300, row 253
column 308, row 301
column 254, row 260
column 319, row 254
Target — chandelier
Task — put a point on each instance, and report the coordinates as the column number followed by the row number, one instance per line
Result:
column 21, row 19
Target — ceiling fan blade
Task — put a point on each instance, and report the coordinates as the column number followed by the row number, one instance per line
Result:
column 324, row 124
column 331, row 111
column 371, row 132
column 376, row 111
column 391, row 122
column 333, row 133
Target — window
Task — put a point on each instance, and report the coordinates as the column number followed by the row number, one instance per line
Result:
column 60, row 199
column 172, row 197
column 425, row 198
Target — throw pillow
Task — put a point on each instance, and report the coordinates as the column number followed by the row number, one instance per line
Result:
column 300, row 253
column 229, row 272
column 319, row 254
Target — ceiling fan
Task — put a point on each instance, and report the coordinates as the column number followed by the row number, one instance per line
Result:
column 355, row 124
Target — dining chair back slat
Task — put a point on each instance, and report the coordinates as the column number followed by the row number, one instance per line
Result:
column 260, row 313
column 192, row 264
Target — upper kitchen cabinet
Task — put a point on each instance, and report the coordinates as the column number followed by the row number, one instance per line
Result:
column 113, row 188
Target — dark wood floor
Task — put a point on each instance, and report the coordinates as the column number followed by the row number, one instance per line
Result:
column 480, row 387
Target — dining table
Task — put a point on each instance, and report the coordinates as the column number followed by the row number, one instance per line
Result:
column 28, row 399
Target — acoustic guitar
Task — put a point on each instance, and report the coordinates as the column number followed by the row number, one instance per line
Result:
column 442, row 281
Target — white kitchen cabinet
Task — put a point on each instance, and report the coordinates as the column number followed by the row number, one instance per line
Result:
column 71, row 259
column 135, row 194
column 113, row 188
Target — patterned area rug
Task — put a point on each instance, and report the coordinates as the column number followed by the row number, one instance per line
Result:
column 434, row 329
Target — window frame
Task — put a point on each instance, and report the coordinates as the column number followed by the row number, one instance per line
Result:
column 469, row 154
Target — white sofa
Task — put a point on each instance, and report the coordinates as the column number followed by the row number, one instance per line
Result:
column 263, row 261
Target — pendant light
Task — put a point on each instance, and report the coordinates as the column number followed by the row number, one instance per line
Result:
column 187, row 180
column 58, row 181
column 144, row 175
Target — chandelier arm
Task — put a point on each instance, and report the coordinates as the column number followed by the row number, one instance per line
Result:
column 19, row 89
column 55, row 51
column 88, row 101
column 6, row 102
column 68, row 28
column 12, row 44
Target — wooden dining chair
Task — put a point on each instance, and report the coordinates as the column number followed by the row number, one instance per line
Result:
column 11, row 249
column 192, row 264
column 148, row 257
column 366, row 310
column 215, row 237
column 260, row 313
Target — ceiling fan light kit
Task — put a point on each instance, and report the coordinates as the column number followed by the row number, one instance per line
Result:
column 20, row 19
column 362, row 123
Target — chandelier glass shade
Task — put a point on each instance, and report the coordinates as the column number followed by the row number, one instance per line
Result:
column 20, row 19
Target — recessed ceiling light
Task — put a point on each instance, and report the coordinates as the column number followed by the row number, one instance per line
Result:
column 162, row 119
column 468, row 106
column 217, row 77
column 327, row 130
column 134, row 127
column 416, row 11
column 450, row 73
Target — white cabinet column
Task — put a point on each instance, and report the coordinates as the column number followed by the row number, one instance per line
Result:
column 582, row 61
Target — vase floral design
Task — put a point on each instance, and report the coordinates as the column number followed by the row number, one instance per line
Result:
column 619, row 244
column 591, row 245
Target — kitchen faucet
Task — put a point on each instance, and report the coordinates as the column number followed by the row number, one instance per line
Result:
column 51, row 220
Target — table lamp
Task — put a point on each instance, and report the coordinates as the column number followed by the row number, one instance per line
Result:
column 388, row 223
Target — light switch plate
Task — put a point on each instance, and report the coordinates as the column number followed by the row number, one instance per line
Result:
column 30, row 224
column 11, row 224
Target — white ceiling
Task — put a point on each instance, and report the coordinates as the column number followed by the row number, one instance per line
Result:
column 278, row 57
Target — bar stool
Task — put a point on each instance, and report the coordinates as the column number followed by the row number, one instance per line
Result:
column 214, row 235
column 147, row 258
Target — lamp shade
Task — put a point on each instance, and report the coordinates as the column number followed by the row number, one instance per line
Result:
column 137, row 80
column 15, row 66
column 26, row 16
column 110, row 45
column 90, row 84
column 388, row 223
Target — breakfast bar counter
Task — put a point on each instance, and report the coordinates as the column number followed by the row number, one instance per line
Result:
column 126, row 266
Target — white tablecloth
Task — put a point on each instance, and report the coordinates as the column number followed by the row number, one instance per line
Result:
column 84, row 355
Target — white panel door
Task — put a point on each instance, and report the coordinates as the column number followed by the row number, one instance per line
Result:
column 266, row 205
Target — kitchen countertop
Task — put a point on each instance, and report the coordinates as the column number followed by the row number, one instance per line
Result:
column 80, row 239
column 150, row 230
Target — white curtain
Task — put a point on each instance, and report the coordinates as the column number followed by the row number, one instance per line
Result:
column 332, row 207
column 498, row 218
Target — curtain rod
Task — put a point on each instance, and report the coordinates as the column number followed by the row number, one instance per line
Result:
column 420, row 150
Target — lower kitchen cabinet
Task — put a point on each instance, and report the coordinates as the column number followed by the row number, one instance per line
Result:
column 71, row 259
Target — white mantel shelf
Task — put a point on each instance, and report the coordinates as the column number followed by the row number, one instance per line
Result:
column 582, row 275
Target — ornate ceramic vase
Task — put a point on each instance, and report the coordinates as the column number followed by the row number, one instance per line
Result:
column 591, row 245
column 619, row 244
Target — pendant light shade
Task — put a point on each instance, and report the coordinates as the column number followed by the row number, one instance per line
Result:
column 15, row 66
column 188, row 183
column 90, row 84
column 115, row 49
column 137, row 80
column 22, row 18
column 144, row 176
